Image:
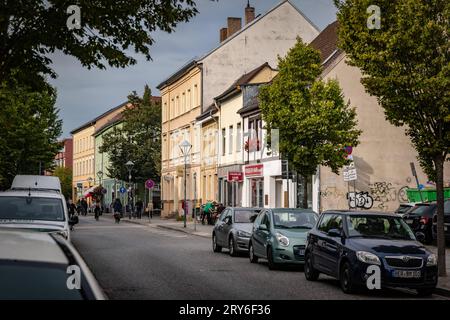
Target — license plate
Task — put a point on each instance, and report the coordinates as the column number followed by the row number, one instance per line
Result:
column 445, row 228
column 409, row 221
column 406, row 274
column 301, row 252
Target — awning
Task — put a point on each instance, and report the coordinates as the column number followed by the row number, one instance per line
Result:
column 89, row 191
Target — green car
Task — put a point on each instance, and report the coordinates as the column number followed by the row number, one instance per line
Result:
column 279, row 235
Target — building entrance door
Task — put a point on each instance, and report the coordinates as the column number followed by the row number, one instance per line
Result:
column 257, row 192
column 278, row 193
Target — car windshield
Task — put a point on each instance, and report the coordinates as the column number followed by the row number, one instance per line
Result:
column 294, row 219
column 378, row 227
column 31, row 208
column 32, row 281
column 244, row 216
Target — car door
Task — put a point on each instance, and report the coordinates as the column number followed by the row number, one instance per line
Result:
column 220, row 228
column 332, row 244
column 227, row 226
column 259, row 235
column 319, row 243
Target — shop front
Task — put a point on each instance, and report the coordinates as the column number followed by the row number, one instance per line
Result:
column 230, row 185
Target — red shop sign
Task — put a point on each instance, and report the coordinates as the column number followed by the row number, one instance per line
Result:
column 235, row 176
column 254, row 170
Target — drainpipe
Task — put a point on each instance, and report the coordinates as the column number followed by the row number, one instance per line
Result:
column 218, row 122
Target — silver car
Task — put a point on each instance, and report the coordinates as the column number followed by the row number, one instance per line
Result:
column 233, row 229
column 37, row 265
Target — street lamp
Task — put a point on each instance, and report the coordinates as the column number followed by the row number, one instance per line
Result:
column 90, row 179
column 129, row 165
column 185, row 147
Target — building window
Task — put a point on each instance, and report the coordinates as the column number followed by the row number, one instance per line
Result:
column 224, row 142
column 183, row 102
column 177, row 106
column 189, row 99
column 195, row 96
column 238, row 137
column 172, row 109
column 230, row 140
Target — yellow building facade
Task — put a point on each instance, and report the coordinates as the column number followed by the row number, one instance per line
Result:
column 181, row 104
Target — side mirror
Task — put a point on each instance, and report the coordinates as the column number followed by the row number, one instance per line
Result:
column 335, row 233
column 73, row 221
column 228, row 220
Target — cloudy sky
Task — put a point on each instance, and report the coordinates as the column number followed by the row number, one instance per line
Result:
column 84, row 94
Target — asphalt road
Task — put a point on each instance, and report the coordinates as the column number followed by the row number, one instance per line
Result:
column 137, row 262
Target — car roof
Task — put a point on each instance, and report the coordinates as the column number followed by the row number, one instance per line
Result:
column 32, row 193
column 26, row 245
column 363, row 213
column 244, row 208
column 49, row 183
column 291, row 209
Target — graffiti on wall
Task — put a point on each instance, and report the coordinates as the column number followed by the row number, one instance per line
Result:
column 384, row 192
column 361, row 200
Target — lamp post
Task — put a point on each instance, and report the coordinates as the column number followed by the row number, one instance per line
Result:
column 185, row 147
column 129, row 165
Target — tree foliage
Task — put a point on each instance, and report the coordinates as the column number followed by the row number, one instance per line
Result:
column 31, row 30
column 406, row 65
column 138, row 140
column 65, row 177
column 314, row 121
column 30, row 131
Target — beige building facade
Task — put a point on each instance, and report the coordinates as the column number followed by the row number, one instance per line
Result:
column 181, row 100
column 382, row 159
column 84, row 175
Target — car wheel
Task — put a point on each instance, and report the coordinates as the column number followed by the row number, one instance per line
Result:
column 311, row 274
column 272, row 264
column 251, row 254
column 345, row 279
column 232, row 247
column 425, row 292
column 216, row 247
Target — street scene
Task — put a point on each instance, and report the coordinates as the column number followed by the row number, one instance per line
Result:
column 225, row 150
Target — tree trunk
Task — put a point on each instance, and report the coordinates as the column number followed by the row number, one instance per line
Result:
column 305, row 192
column 439, row 165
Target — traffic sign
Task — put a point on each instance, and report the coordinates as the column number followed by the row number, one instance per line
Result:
column 122, row 190
column 149, row 184
column 350, row 172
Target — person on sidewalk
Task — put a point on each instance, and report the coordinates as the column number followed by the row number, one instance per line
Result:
column 207, row 212
column 150, row 209
column 139, row 207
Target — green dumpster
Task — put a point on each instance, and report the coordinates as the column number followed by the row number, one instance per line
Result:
column 427, row 194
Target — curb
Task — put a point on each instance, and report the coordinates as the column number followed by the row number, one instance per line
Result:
column 161, row 226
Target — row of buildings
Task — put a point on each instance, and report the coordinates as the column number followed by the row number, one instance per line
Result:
column 212, row 102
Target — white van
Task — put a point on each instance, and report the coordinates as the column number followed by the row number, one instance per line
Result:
column 35, row 202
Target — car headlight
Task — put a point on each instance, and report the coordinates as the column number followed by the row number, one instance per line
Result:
column 243, row 234
column 62, row 233
column 431, row 260
column 282, row 239
column 368, row 257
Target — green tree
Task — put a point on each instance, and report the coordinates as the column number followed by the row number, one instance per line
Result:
column 31, row 30
column 30, row 131
column 65, row 176
column 138, row 140
column 406, row 65
column 315, row 123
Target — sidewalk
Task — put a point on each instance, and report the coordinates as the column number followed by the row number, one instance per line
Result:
column 171, row 224
column 443, row 282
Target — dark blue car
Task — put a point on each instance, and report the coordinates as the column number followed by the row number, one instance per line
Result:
column 344, row 244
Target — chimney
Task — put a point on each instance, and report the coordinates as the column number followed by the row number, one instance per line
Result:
column 234, row 25
column 249, row 13
column 223, row 34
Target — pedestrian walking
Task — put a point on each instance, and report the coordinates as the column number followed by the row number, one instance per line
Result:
column 72, row 208
column 117, row 207
column 97, row 211
column 84, row 206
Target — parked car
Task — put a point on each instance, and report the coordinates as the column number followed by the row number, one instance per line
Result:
column 35, row 202
column 279, row 235
column 420, row 220
column 36, row 265
column 446, row 221
column 344, row 244
column 233, row 229
column 404, row 208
